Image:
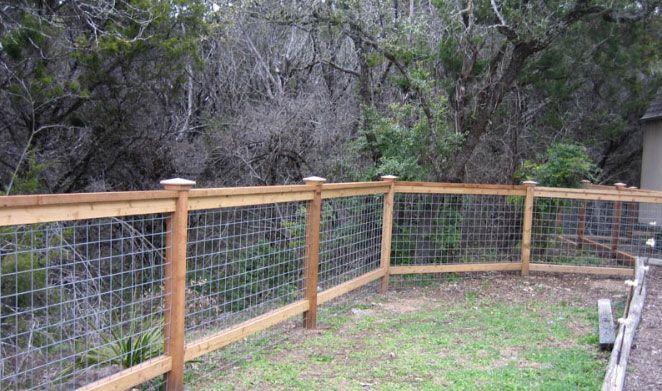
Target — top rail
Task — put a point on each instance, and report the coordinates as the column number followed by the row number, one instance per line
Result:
column 459, row 188
column 626, row 195
column 33, row 209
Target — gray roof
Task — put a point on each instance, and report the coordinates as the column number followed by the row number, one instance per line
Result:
column 654, row 111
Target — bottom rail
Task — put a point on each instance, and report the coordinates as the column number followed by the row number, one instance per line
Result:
column 596, row 270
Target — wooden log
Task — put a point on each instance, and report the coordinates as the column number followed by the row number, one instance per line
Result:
column 456, row 268
column 311, row 265
column 527, row 226
column 605, row 324
column 616, row 369
column 387, row 231
column 175, row 283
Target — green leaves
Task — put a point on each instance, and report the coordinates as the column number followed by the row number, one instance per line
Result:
column 564, row 165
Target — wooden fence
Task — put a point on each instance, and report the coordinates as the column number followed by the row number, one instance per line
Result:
column 548, row 228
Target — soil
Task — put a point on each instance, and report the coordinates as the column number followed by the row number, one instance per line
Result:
column 645, row 362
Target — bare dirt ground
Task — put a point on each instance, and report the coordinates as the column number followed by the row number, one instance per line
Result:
column 645, row 362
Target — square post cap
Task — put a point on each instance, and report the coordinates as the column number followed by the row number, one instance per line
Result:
column 389, row 178
column 529, row 183
column 177, row 184
column 620, row 185
column 314, row 180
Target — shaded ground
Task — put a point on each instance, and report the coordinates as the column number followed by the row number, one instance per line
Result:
column 496, row 332
column 645, row 363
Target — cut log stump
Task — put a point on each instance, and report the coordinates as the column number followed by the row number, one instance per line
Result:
column 606, row 325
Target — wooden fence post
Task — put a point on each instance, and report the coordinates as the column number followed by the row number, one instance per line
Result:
column 632, row 214
column 581, row 224
column 616, row 222
column 311, row 263
column 387, row 231
column 528, row 223
column 175, row 282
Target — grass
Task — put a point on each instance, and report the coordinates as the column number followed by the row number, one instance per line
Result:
column 471, row 344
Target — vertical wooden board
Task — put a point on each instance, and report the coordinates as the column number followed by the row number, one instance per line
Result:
column 527, row 226
column 387, row 233
column 311, row 265
column 606, row 324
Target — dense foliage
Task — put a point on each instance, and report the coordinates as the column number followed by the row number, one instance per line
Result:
column 100, row 96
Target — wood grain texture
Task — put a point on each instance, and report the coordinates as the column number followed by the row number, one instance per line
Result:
column 459, row 268
column 131, row 377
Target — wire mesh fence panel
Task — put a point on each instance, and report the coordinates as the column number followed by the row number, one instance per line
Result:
column 588, row 233
column 432, row 229
column 350, row 238
column 80, row 300
column 243, row 262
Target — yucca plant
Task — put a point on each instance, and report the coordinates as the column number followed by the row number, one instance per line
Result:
column 124, row 347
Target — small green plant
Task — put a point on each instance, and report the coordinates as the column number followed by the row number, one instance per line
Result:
column 126, row 347
column 563, row 165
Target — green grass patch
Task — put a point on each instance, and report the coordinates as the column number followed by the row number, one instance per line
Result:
column 471, row 345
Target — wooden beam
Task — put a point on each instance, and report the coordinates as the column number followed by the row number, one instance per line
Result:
column 175, row 283
column 387, row 231
column 620, row 255
column 616, row 369
column 606, row 331
column 83, row 198
column 581, row 224
column 131, row 377
column 349, row 286
column 449, row 185
column 458, row 190
column 228, row 201
column 596, row 270
column 600, row 195
column 527, row 226
column 89, row 210
column 311, row 264
column 208, row 344
column 248, row 190
column 326, row 194
column 456, row 268
column 354, row 185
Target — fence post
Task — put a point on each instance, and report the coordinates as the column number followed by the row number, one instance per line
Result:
column 175, row 282
column 616, row 221
column 387, row 231
column 528, row 223
column 581, row 224
column 632, row 214
column 311, row 263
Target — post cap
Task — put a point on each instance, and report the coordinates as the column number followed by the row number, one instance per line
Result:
column 389, row 178
column 313, row 180
column 529, row 183
column 177, row 184
column 620, row 185
column 586, row 181
column 633, row 187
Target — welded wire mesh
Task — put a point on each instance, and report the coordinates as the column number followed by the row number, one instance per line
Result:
column 588, row 233
column 350, row 238
column 80, row 300
column 243, row 262
column 430, row 229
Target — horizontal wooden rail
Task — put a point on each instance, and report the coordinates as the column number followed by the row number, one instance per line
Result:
column 243, row 330
column 131, row 377
column 456, row 268
column 596, row 270
column 248, row 190
column 349, row 286
column 454, row 188
column 80, row 211
column 81, row 198
column 626, row 195
column 228, row 201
